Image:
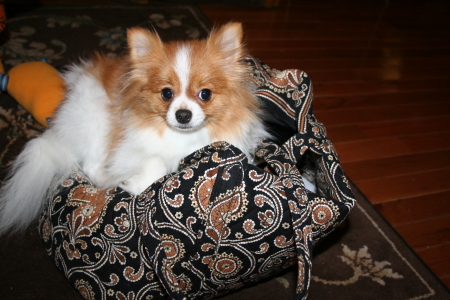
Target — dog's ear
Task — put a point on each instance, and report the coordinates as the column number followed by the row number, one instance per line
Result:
column 228, row 40
column 142, row 42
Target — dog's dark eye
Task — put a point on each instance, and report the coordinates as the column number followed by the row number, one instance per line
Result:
column 166, row 94
column 205, row 95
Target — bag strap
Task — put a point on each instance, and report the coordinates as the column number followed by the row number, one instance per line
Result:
column 313, row 215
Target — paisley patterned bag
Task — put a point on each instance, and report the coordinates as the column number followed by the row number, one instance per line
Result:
column 216, row 224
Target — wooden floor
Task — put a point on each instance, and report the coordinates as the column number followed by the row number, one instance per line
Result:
column 381, row 78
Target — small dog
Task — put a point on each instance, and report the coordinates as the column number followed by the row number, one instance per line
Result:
column 129, row 121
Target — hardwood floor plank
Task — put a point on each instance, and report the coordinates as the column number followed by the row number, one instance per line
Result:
column 374, row 129
column 397, row 165
column 342, row 52
column 381, row 190
column 427, row 142
column 396, row 73
column 445, row 280
column 399, row 127
column 345, row 133
column 437, row 259
column 426, row 233
column 304, row 34
column 374, row 87
column 382, row 99
column 362, row 150
column 369, row 149
column 306, row 63
column 409, row 210
column 378, row 48
column 402, row 73
column 382, row 113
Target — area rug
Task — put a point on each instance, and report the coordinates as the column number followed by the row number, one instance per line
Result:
column 363, row 259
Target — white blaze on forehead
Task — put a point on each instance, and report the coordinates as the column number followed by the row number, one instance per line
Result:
column 183, row 66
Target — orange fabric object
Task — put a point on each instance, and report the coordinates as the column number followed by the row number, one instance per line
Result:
column 38, row 87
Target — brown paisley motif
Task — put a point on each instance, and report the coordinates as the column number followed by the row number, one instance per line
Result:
column 114, row 279
column 249, row 227
column 174, row 251
column 224, row 265
column 266, row 218
column 171, row 249
column 228, row 207
column 172, row 184
column 282, row 242
column 324, row 213
column 327, row 147
column 177, row 201
column 303, row 236
column 46, row 230
column 71, row 250
column 85, row 289
column 286, row 255
column 118, row 253
column 287, row 80
column 301, row 196
column 92, row 204
column 133, row 276
column 179, row 283
column 263, row 248
column 188, row 173
column 123, row 222
column 261, row 199
column 254, row 176
column 201, row 194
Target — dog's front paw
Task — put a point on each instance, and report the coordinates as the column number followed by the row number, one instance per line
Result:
column 133, row 186
column 96, row 173
column 153, row 170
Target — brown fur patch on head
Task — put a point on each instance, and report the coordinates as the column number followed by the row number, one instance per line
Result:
column 218, row 65
column 148, row 75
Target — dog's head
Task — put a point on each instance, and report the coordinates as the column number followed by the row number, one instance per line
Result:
column 191, row 84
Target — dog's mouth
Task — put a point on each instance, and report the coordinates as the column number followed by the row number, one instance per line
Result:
column 187, row 127
column 184, row 127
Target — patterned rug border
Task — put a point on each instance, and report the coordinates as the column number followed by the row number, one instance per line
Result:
column 363, row 205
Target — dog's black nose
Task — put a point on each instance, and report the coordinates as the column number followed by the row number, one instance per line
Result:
column 183, row 116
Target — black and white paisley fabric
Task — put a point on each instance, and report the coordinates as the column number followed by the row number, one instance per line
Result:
column 215, row 225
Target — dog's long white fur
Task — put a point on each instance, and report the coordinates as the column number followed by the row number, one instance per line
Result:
column 34, row 170
column 75, row 138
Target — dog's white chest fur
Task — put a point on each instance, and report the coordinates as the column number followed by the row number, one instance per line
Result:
column 154, row 154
